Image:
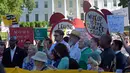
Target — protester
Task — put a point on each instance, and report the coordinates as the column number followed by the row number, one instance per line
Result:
column 63, row 54
column 55, row 58
column 95, row 45
column 2, row 47
column 65, row 61
column 48, row 43
column 40, row 45
column 46, row 48
column 28, row 62
column 58, row 35
column 13, row 56
column 119, row 62
column 75, row 52
column 40, row 59
column 2, row 69
column 26, row 45
column 84, row 45
column 94, row 61
column 126, row 46
column 108, row 54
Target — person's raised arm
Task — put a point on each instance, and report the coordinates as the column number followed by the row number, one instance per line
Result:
column 126, row 46
column 46, row 50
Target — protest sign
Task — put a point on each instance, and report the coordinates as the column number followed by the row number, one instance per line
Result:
column 96, row 23
column 56, row 17
column 123, row 12
column 22, row 34
column 115, row 23
column 64, row 25
column 4, row 35
column 19, row 70
column 40, row 33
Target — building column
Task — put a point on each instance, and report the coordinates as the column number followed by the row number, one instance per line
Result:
column 65, row 9
column 53, row 6
column 77, row 9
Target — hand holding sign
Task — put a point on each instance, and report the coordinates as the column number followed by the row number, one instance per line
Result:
column 115, row 23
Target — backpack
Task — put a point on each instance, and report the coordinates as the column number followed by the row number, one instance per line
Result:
column 73, row 64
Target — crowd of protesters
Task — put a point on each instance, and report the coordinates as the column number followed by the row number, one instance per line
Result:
column 69, row 52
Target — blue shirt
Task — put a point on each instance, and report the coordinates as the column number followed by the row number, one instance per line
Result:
column 63, row 42
column 28, row 65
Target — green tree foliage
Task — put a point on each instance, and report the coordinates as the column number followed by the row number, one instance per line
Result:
column 15, row 6
column 123, row 3
column 30, row 4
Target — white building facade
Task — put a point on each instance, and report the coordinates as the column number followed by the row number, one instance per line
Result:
column 69, row 8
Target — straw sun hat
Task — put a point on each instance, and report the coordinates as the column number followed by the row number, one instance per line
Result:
column 75, row 33
column 40, row 56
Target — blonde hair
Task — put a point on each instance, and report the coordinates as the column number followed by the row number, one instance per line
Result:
column 33, row 47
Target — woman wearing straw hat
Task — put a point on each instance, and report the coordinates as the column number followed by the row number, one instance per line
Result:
column 40, row 59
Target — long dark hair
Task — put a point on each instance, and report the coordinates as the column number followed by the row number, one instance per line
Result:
column 56, row 57
column 61, row 50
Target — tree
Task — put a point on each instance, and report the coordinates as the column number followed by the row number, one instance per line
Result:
column 15, row 6
column 123, row 3
column 30, row 4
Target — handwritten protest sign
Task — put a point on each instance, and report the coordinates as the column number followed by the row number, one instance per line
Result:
column 40, row 33
column 22, row 34
column 96, row 23
column 64, row 25
column 115, row 23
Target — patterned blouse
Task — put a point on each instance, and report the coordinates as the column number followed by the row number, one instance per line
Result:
column 28, row 64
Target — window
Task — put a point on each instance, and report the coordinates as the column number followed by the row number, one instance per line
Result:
column 36, row 4
column 81, row 4
column 82, row 16
column 36, row 17
column 46, row 17
column 114, row 3
column 96, row 3
column 59, row 4
column 70, row 3
column 45, row 4
column 105, row 3
column 27, row 17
